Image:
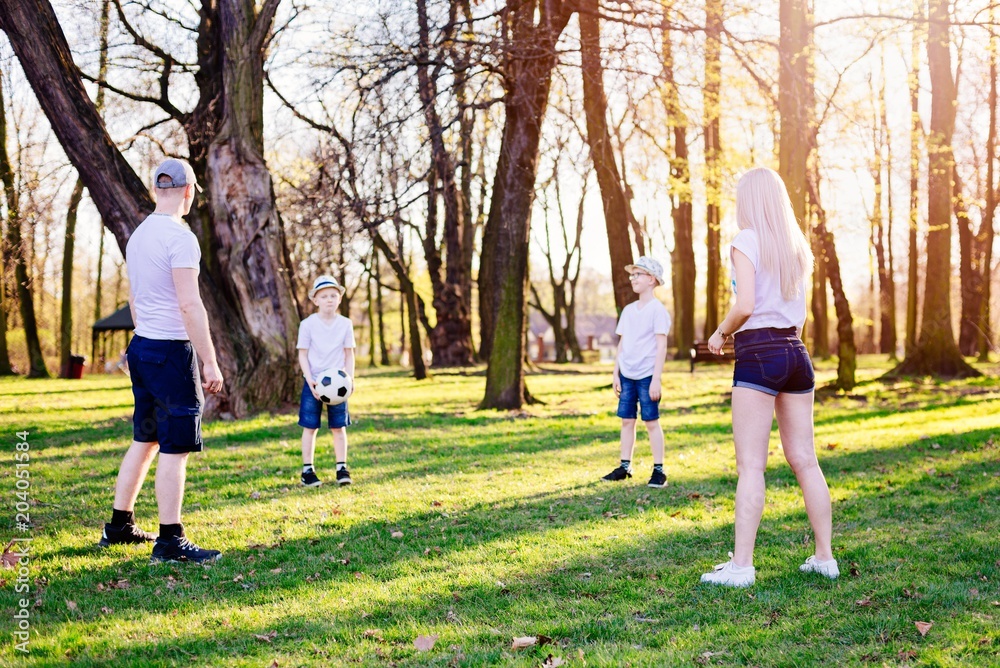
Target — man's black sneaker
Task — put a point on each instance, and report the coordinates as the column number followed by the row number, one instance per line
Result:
column 310, row 479
column 620, row 473
column 658, row 479
column 344, row 476
column 130, row 534
column 178, row 550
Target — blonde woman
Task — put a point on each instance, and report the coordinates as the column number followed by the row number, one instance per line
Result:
column 773, row 374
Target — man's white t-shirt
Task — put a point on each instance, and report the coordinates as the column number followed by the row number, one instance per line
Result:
column 325, row 342
column 770, row 308
column 159, row 245
column 638, row 327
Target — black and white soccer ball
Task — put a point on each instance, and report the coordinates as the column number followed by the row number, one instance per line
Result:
column 334, row 386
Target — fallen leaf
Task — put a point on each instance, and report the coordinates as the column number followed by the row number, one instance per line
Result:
column 436, row 504
column 254, row 495
column 239, row 576
column 397, row 534
column 372, row 633
column 276, row 570
column 832, row 446
column 854, row 569
column 923, row 627
column 906, row 654
column 525, row 641
column 266, row 637
column 866, row 601
column 451, row 617
column 105, row 610
column 72, row 606
column 274, row 664
column 425, row 643
column 9, row 558
column 552, row 662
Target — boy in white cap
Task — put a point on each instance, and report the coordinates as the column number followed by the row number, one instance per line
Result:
column 642, row 349
column 326, row 341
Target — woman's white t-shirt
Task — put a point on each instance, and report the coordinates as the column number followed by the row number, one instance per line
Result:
column 770, row 308
column 325, row 342
column 638, row 327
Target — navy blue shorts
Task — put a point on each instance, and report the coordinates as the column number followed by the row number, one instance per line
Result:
column 772, row 360
column 166, row 385
column 311, row 411
column 636, row 393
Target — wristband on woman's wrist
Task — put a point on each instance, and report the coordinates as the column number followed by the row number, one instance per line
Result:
column 722, row 334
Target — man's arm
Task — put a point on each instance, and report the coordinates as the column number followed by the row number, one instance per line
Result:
column 196, row 324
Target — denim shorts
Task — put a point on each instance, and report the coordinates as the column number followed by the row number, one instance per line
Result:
column 166, row 385
column 311, row 412
column 636, row 392
column 773, row 360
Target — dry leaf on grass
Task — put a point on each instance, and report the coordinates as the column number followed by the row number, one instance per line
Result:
column 923, row 627
column 552, row 662
column 425, row 643
column 396, row 534
column 9, row 558
column 266, row 637
column 254, row 495
column 72, row 606
column 525, row 641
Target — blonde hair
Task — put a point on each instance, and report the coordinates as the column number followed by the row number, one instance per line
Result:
column 762, row 205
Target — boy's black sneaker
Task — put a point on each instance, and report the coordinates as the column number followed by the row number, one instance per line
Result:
column 658, row 479
column 130, row 534
column 178, row 550
column 310, row 479
column 620, row 473
column 344, row 476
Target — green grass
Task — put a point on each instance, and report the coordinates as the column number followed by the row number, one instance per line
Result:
column 506, row 531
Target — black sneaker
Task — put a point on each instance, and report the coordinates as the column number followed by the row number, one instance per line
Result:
column 130, row 534
column 620, row 473
column 179, row 550
column 344, row 476
column 658, row 479
column 310, row 479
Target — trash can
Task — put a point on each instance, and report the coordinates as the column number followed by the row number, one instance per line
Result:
column 76, row 363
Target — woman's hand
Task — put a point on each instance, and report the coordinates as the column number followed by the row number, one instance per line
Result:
column 716, row 342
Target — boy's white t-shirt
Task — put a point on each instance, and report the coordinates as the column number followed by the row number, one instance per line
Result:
column 638, row 328
column 159, row 245
column 325, row 343
column 770, row 308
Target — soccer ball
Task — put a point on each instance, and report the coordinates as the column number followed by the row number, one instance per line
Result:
column 334, row 386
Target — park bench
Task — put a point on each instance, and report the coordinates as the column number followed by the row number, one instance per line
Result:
column 701, row 353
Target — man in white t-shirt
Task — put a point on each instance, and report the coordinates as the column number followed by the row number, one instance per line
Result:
column 171, row 337
column 642, row 350
column 326, row 341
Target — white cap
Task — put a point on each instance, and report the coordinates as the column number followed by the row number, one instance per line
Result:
column 648, row 265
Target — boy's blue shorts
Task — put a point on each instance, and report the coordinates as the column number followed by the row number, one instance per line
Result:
column 166, row 385
column 637, row 392
column 311, row 411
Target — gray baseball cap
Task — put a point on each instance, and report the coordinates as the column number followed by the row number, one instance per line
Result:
column 173, row 173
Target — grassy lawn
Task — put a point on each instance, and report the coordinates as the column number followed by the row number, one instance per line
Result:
column 478, row 527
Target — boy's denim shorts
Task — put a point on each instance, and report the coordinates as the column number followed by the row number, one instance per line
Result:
column 168, row 396
column 311, row 411
column 636, row 393
column 772, row 360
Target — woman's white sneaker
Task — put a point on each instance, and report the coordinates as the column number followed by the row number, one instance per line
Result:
column 825, row 568
column 731, row 575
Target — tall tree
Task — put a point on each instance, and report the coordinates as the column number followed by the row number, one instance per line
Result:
column 880, row 235
column 989, row 214
column 529, row 54
column 916, row 131
column 102, row 75
column 713, row 161
column 15, row 246
column 451, row 338
column 66, row 301
column 245, row 278
column 617, row 208
column 935, row 352
column 682, row 263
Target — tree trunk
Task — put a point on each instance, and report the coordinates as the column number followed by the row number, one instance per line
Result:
column 5, row 368
column 916, row 130
column 617, row 209
column 380, row 308
column 451, row 339
column 102, row 73
column 820, row 306
column 986, row 228
column 888, row 294
column 245, row 280
column 713, row 162
column 15, row 246
column 683, row 271
column 66, row 305
column 886, row 289
column 795, row 99
column 372, row 362
column 936, row 352
column 846, row 351
column 412, row 301
column 529, row 58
